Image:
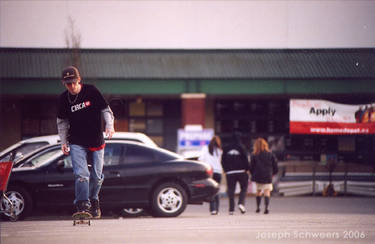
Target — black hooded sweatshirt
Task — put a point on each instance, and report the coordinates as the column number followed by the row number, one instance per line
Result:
column 234, row 157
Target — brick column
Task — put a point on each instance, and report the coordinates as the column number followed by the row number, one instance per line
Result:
column 193, row 109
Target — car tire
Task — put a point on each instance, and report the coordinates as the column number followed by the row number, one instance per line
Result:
column 21, row 200
column 132, row 212
column 168, row 200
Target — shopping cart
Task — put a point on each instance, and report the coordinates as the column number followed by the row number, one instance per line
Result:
column 6, row 205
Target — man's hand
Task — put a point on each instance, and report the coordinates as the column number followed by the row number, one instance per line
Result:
column 65, row 149
column 109, row 133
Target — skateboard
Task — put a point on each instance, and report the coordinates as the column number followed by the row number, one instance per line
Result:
column 82, row 218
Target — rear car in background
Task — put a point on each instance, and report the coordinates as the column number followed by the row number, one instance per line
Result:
column 24, row 147
column 137, row 176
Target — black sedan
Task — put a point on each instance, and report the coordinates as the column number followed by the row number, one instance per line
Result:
column 135, row 176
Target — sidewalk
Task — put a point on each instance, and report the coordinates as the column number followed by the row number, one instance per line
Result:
column 310, row 205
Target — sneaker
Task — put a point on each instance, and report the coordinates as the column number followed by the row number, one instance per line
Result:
column 95, row 209
column 214, row 212
column 83, row 206
column 242, row 208
column 231, row 213
column 266, row 211
column 258, row 210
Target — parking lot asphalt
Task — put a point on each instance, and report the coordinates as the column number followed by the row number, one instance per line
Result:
column 292, row 220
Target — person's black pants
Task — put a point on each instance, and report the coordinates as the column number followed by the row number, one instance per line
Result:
column 232, row 179
column 215, row 202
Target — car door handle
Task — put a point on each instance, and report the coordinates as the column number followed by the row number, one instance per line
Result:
column 115, row 173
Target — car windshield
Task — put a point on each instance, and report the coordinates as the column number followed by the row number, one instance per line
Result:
column 42, row 158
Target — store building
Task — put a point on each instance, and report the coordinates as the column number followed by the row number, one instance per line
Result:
column 160, row 91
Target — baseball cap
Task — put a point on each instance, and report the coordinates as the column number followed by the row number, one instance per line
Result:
column 70, row 74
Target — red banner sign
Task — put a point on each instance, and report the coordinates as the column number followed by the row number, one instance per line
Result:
column 324, row 117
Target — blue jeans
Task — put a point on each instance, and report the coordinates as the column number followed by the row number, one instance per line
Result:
column 88, row 180
column 215, row 202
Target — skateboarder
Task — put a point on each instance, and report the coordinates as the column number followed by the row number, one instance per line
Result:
column 79, row 121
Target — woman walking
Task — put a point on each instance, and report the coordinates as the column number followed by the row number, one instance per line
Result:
column 211, row 154
column 263, row 166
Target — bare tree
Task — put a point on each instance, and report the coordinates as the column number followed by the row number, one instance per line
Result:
column 73, row 42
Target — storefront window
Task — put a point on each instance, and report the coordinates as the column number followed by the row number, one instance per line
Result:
column 254, row 118
column 137, row 125
column 137, row 108
column 146, row 116
column 154, row 126
column 154, row 108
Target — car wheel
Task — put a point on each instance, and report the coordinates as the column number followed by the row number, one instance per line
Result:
column 21, row 200
column 169, row 200
column 132, row 212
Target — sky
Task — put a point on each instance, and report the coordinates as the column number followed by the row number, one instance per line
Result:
column 193, row 24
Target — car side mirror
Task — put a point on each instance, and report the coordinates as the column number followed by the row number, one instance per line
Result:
column 60, row 165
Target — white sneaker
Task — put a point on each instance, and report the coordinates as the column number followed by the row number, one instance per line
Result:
column 214, row 212
column 230, row 213
column 242, row 208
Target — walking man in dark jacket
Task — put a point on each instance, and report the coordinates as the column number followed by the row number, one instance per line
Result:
column 236, row 166
column 263, row 166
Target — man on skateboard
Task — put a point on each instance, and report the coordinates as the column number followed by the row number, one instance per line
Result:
column 79, row 121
